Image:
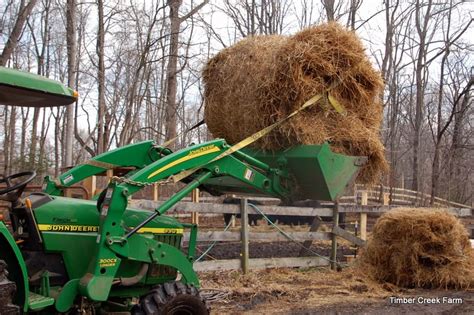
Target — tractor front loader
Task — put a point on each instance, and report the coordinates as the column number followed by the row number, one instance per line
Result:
column 67, row 255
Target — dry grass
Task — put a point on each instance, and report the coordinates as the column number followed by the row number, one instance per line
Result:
column 260, row 289
column 262, row 79
column 426, row 248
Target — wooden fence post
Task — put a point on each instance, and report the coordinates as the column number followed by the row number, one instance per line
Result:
column 156, row 193
column 109, row 174
column 363, row 216
column 244, row 235
column 90, row 184
column 335, row 220
column 307, row 244
column 386, row 199
column 195, row 198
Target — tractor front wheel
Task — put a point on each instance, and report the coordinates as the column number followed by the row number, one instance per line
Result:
column 173, row 298
column 7, row 291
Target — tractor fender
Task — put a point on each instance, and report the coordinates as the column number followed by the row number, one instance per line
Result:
column 18, row 273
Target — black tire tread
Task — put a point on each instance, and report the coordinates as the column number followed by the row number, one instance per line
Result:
column 161, row 296
column 7, row 291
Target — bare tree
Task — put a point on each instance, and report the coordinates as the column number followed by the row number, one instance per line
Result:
column 257, row 17
column 71, row 75
column 40, row 48
column 353, row 7
column 442, row 126
column 171, row 72
column 23, row 13
column 421, row 22
column 330, row 9
column 101, row 140
column 138, row 66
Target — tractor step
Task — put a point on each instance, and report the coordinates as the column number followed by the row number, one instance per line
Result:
column 38, row 302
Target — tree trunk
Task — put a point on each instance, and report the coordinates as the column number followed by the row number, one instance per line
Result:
column 34, row 139
column 420, row 87
column 329, row 7
column 171, row 72
column 435, row 173
column 71, row 75
column 12, row 128
column 57, row 135
column 6, row 143
column 42, row 141
column 14, row 37
column 354, row 6
column 24, row 119
column 102, row 141
column 455, row 159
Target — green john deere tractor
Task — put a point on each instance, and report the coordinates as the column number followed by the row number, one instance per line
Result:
column 64, row 255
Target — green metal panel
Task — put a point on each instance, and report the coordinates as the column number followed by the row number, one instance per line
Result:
column 136, row 155
column 70, row 226
column 194, row 156
column 20, row 88
column 235, row 176
column 66, row 295
column 201, row 156
column 10, row 253
column 318, row 173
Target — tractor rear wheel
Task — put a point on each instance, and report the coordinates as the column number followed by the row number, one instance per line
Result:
column 173, row 298
column 7, row 291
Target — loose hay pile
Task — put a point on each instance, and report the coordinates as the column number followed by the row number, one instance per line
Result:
column 262, row 79
column 419, row 248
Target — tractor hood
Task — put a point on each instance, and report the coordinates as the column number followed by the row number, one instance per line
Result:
column 70, row 227
column 60, row 214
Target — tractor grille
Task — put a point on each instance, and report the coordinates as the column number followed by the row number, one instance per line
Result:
column 161, row 271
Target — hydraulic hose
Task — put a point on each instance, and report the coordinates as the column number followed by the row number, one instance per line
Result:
column 127, row 282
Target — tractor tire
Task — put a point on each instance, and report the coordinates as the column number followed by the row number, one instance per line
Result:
column 7, row 291
column 173, row 298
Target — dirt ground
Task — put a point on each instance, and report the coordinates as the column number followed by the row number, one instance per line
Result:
column 314, row 290
column 322, row 291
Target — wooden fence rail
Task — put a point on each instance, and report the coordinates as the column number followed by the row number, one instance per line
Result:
column 244, row 235
column 261, row 263
column 402, row 195
column 228, row 236
column 203, row 207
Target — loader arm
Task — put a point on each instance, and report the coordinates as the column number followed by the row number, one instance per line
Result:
column 256, row 175
column 116, row 241
column 289, row 174
column 136, row 156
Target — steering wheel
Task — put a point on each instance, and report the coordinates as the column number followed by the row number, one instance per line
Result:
column 14, row 189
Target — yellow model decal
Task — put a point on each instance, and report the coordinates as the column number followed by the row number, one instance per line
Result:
column 191, row 155
column 93, row 228
column 160, row 231
column 107, row 262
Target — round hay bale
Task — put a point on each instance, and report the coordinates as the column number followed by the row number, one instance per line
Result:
column 262, row 79
column 426, row 248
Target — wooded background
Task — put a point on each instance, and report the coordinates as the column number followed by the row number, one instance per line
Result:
column 136, row 65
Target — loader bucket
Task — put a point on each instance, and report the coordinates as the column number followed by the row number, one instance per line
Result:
column 318, row 173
